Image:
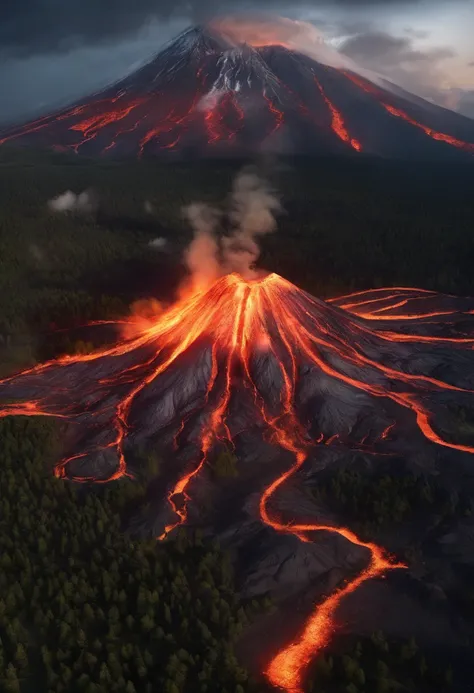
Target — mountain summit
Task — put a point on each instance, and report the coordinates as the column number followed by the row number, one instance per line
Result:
column 237, row 88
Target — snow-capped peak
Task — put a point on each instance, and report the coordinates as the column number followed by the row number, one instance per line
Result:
column 242, row 65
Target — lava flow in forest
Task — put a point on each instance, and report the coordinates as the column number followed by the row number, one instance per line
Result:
column 259, row 354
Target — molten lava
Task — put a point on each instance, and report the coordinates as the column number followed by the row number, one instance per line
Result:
column 337, row 121
column 224, row 118
column 259, row 342
column 278, row 115
column 369, row 88
column 227, row 87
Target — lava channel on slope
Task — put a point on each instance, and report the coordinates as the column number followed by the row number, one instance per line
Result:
column 397, row 112
column 254, row 355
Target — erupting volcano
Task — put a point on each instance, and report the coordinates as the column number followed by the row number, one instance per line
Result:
column 249, row 363
column 237, row 87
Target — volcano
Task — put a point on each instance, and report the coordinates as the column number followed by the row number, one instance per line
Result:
column 215, row 91
column 281, row 380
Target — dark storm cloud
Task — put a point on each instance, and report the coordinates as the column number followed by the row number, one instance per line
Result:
column 389, row 49
column 39, row 83
column 44, row 26
column 396, row 57
column 100, row 41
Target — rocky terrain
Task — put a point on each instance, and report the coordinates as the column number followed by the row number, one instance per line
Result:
column 255, row 396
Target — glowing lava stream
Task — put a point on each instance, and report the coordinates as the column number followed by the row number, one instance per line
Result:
column 369, row 88
column 215, row 119
column 279, row 118
column 287, row 669
column 337, row 121
column 235, row 322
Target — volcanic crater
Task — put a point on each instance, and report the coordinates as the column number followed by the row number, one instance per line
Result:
column 287, row 385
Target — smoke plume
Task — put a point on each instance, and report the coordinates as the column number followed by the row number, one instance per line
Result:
column 264, row 30
column 158, row 243
column 251, row 213
column 148, row 207
column 84, row 203
column 202, row 255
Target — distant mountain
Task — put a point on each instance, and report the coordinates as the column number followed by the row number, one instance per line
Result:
column 203, row 95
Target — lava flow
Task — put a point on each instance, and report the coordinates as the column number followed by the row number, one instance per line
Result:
column 337, row 121
column 227, row 87
column 253, row 356
column 278, row 115
column 223, row 119
column 369, row 88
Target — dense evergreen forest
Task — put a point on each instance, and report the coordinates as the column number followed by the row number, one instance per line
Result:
column 371, row 501
column 85, row 607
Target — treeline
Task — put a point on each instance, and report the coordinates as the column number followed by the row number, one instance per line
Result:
column 379, row 665
column 346, row 225
column 371, row 501
column 84, row 608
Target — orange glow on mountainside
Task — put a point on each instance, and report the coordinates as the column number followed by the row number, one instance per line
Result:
column 369, row 88
column 337, row 122
column 234, row 322
column 260, row 31
column 229, row 85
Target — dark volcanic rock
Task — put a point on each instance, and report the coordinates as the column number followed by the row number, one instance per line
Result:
column 249, row 392
column 205, row 95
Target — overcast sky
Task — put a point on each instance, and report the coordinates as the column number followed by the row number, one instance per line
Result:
column 55, row 51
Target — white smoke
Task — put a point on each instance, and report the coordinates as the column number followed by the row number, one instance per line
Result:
column 252, row 208
column 209, row 101
column 201, row 256
column 84, row 203
column 148, row 207
column 63, row 203
column 158, row 243
column 296, row 35
column 251, row 212
column 259, row 30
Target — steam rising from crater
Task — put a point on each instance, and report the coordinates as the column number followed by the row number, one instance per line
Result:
column 251, row 213
column 265, row 30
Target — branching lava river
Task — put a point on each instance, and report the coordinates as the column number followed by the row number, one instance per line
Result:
column 261, row 354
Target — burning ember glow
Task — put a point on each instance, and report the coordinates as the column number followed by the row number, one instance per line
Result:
column 260, row 31
column 369, row 88
column 337, row 121
column 252, row 344
column 228, row 87
column 224, row 118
